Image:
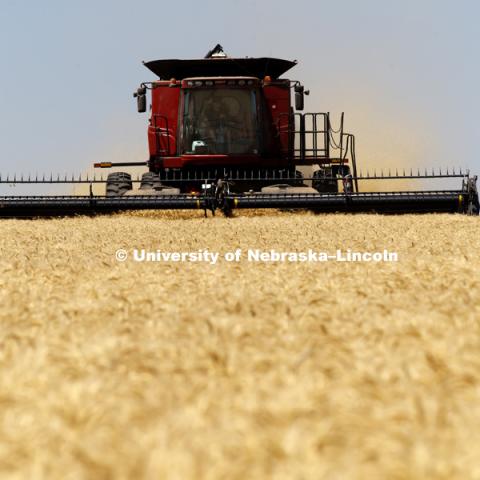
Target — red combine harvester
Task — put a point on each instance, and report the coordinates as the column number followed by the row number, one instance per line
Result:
column 224, row 134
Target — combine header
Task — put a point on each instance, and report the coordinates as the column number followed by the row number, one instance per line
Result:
column 227, row 133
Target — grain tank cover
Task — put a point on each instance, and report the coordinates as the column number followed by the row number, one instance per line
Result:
column 220, row 67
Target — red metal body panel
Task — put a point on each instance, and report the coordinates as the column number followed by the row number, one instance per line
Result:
column 277, row 98
column 162, row 132
column 252, row 161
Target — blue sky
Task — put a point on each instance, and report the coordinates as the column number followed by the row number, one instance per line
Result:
column 405, row 73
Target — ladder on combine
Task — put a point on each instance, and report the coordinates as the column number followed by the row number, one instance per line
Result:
column 316, row 142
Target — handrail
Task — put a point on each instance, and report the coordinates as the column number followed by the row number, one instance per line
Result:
column 162, row 131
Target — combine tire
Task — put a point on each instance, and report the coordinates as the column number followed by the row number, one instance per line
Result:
column 324, row 180
column 323, row 183
column 150, row 181
column 118, row 184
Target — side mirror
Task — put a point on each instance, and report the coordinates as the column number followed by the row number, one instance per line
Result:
column 141, row 103
column 141, row 96
column 299, row 90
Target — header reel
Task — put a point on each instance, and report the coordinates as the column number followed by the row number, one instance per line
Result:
column 231, row 190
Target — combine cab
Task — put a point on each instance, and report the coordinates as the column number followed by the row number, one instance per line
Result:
column 227, row 133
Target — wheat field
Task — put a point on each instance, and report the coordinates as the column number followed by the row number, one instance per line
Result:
column 240, row 370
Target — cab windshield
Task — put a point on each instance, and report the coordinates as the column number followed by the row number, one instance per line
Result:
column 220, row 121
